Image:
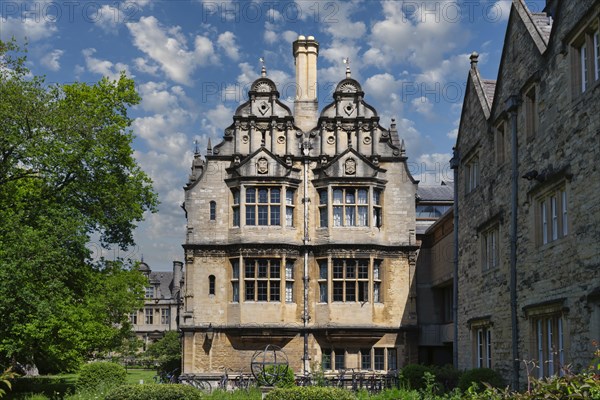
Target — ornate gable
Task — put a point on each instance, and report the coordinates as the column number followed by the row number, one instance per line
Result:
column 262, row 164
column 349, row 165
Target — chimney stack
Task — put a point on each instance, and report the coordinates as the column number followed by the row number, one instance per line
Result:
column 177, row 276
column 306, row 105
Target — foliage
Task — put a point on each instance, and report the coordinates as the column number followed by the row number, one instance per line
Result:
column 167, row 352
column 480, row 376
column 67, row 172
column 310, row 393
column 96, row 374
column 155, row 392
column 5, row 378
column 447, row 376
column 412, row 375
column 251, row 394
column 285, row 376
column 43, row 385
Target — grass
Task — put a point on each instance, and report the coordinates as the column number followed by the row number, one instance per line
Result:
column 137, row 375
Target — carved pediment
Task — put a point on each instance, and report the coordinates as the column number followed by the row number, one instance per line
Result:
column 349, row 164
column 260, row 164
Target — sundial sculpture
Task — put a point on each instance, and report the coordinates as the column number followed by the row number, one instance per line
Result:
column 269, row 365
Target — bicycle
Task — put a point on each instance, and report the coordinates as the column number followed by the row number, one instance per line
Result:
column 242, row 381
column 166, row 377
column 304, row 380
column 224, row 381
column 198, row 383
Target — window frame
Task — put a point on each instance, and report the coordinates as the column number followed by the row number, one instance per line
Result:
column 264, row 279
column 552, row 214
column 490, row 248
column 472, row 173
column 585, row 58
column 532, row 118
column 364, row 211
column 212, row 210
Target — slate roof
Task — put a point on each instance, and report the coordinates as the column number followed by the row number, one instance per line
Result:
column 435, row 193
column 164, row 279
column 543, row 23
column 489, row 87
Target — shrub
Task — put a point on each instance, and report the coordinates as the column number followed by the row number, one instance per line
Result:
column 285, row 374
column 412, row 375
column 155, row 392
column 310, row 393
column 43, row 385
column 447, row 376
column 479, row 376
column 93, row 376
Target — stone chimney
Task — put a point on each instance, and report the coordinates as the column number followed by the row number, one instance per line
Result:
column 306, row 105
column 177, row 277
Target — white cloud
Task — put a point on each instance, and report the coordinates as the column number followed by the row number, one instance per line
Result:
column 432, row 169
column 168, row 47
column 30, row 27
column 143, row 65
column 500, row 11
column 423, row 106
column 52, row 59
column 103, row 67
column 226, row 42
column 336, row 18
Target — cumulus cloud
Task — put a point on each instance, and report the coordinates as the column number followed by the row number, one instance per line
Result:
column 167, row 46
column 500, row 11
column 103, row 67
column 226, row 42
column 423, row 106
column 30, row 27
column 432, row 169
column 51, row 60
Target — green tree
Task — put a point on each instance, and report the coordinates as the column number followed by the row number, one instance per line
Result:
column 66, row 172
column 166, row 351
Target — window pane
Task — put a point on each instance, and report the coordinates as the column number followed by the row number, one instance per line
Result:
column 337, row 216
column 275, row 291
column 323, row 197
column 338, row 291
column 323, row 217
column 289, row 292
column 350, row 199
column 363, row 270
column 275, row 195
column 249, row 290
column 377, row 217
column 275, row 215
column 250, row 195
column 377, row 197
column 350, row 270
column 249, row 269
column 235, row 288
column 275, row 270
column 213, row 210
column 250, row 215
column 350, row 216
column 326, row 359
column 236, row 197
column 263, row 215
column 363, row 213
column 350, row 291
column 262, row 269
column 554, row 214
column 289, row 216
column 289, row 269
column 339, row 359
column 323, row 292
column 363, row 291
column 263, row 195
column 338, row 270
column 262, row 290
column 236, row 216
column 365, row 358
column 323, row 270
column 378, row 358
column 392, row 359
column 338, row 196
column 376, row 269
column 565, row 222
column 377, row 292
column 544, row 217
column 289, row 196
column 363, row 196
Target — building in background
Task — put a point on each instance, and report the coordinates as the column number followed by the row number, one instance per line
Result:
column 529, row 197
column 301, row 234
column 162, row 300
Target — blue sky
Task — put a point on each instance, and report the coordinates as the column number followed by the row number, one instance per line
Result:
column 192, row 61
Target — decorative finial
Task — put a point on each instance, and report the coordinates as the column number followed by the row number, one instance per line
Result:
column 474, row 59
column 209, row 148
column 196, row 149
column 347, row 62
column 263, row 70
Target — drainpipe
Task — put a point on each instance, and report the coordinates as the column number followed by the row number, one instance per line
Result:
column 305, row 200
column 512, row 104
column 454, row 162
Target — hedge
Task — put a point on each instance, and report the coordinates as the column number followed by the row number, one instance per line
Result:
column 100, row 374
column 155, row 392
column 310, row 393
column 479, row 376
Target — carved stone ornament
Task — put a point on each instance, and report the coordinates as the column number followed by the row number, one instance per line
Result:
column 350, row 166
column 245, row 139
column 262, row 166
column 348, row 87
column 236, row 160
column 263, row 107
column 367, row 140
column 331, row 140
column 349, row 109
column 262, row 126
column 281, row 139
column 262, row 87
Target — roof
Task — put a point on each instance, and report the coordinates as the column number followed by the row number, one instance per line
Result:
column 489, row 87
column 543, row 23
column 164, row 280
column 442, row 192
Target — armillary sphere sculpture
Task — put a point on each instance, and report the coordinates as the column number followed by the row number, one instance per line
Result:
column 269, row 365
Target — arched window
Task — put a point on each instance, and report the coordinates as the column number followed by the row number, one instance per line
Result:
column 211, row 285
column 213, row 210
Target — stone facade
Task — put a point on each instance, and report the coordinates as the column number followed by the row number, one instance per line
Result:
column 300, row 233
column 553, row 271
column 161, row 303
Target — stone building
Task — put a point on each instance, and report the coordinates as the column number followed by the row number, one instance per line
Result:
column 300, row 233
column 529, row 197
column 161, row 303
column 435, row 272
